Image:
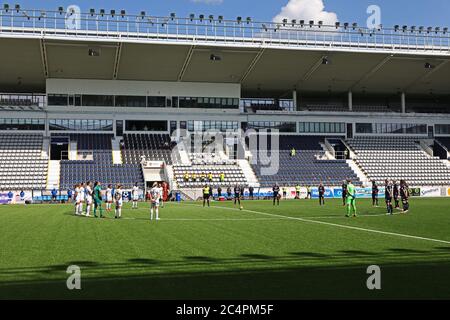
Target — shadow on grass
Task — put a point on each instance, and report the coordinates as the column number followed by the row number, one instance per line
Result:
column 399, row 281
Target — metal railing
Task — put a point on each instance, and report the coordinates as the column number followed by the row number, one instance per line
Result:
column 238, row 32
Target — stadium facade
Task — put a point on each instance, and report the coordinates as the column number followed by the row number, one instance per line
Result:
column 86, row 96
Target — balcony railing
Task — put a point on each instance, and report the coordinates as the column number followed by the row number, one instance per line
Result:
column 211, row 30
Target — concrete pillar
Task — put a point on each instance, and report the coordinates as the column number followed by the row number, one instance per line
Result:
column 294, row 98
column 350, row 101
column 403, row 97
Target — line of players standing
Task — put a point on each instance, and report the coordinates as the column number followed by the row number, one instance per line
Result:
column 394, row 192
column 93, row 194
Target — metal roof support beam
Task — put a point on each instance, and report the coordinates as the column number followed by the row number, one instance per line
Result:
column 117, row 61
column 427, row 73
column 312, row 70
column 252, row 65
column 371, row 72
column 186, row 63
column 44, row 57
column 403, row 102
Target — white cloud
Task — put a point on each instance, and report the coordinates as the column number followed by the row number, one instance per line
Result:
column 306, row 10
column 208, row 1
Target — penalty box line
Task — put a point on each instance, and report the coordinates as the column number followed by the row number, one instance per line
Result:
column 339, row 225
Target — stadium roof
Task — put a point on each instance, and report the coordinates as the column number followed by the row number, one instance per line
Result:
column 273, row 60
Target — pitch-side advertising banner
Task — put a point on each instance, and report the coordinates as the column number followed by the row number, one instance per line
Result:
column 430, row 192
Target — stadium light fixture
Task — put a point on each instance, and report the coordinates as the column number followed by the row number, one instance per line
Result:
column 202, row 16
column 404, row 28
column 211, row 18
column 239, row 19
column 60, row 10
column 421, row 28
column 122, row 13
column 173, row 16
column 284, row 22
column 92, row 12
column 396, row 27
column 311, row 23
column 346, row 25
column 17, row 7
column 355, row 25
column 320, row 24
column 445, row 30
column 264, row 27
column 429, row 29
column 113, row 13
column 413, row 28
column 294, row 22
column 213, row 57
column 192, row 17
column 302, row 23
column 220, row 19
column 142, row 14
column 6, row 7
column 437, row 29
column 249, row 19
column 337, row 24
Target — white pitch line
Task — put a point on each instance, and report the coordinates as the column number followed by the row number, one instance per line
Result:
column 339, row 225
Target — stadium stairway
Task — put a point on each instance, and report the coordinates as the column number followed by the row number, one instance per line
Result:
column 53, row 176
column 249, row 174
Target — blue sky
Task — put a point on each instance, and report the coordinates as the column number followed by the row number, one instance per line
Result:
column 409, row 12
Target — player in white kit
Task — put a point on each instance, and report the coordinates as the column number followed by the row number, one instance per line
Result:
column 109, row 198
column 77, row 200
column 155, row 197
column 135, row 196
column 119, row 201
column 82, row 196
column 89, row 194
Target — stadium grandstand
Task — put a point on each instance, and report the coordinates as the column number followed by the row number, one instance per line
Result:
column 113, row 99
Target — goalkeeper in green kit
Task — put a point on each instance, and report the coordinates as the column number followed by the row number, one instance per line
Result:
column 98, row 199
column 351, row 199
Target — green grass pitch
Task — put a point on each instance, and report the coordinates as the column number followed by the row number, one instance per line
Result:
column 295, row 251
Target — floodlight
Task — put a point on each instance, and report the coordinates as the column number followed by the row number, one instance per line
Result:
column 445, row 30
column 346, row 25
column 17, row 6
column 302, row 23
column 113, row 13
column 320, row 23
column 405, row 28
column 337, row 24
column 285, row 21
column 294, row 22
column 6, row 7
column 192, row 16
column 437, row 29
column 220, row 18
column 211, row 18
column 249, row 19
column 311, row 23
column 172, row 15
column 60, row 10
column 102, row 12
column 421, row 28
column 396, row 27
column 239, row 19
column 92, row 11
column 142, row 14
column 429, row 29
column 355, row 25
column 122, row 13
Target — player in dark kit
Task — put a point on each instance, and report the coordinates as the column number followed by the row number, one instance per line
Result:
column 344, row 193
column 388, row 197
column 321, row 190
column 237, row 195
column 396, row 194
column 404, row 194
column 375, row 191
column 276, row 194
